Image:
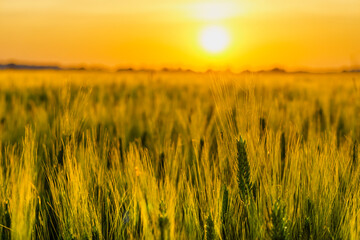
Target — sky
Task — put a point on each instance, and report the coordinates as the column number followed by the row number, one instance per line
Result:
column 295, row 35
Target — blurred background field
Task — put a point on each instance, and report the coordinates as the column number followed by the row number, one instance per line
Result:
column 156, row 155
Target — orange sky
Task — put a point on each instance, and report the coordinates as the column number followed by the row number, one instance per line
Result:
column 154, row 34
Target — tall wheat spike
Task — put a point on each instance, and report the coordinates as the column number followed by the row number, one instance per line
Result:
column 224, row 211
column 283, row 153
column 262, row 127
column 355, row 154
column 305, row 130
column 201, row 148
column 60, row 156
column 340, row 131
column 225, row 202
column 163, row 221
column 109, row 159
column 161, row 167
column 121, row 151
column 243, row 174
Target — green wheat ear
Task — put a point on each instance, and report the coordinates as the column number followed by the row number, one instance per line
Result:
column 340, row 131
column 279, row 230
column 210, row 231
column 262, row 127
column 163, row 221
column 224, row 211
column 355, row 153
column 121, row 151
column 305, row 130
column 225, row 202
column 161, row 167
column 201, row 148
column 243, row 175
column 283, row 153
column 283, row 146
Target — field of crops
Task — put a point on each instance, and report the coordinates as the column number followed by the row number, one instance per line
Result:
column 94, row 155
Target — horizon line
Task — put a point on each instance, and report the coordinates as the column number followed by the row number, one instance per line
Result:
column 17, row 65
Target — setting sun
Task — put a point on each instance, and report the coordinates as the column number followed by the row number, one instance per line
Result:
column 214, row 39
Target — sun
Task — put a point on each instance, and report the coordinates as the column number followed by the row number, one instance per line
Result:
column 214, row 39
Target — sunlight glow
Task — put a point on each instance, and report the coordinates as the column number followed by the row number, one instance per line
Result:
column 214, row 39
column 213, row 10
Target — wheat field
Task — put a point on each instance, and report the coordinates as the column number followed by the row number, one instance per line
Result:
column 169, row 155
